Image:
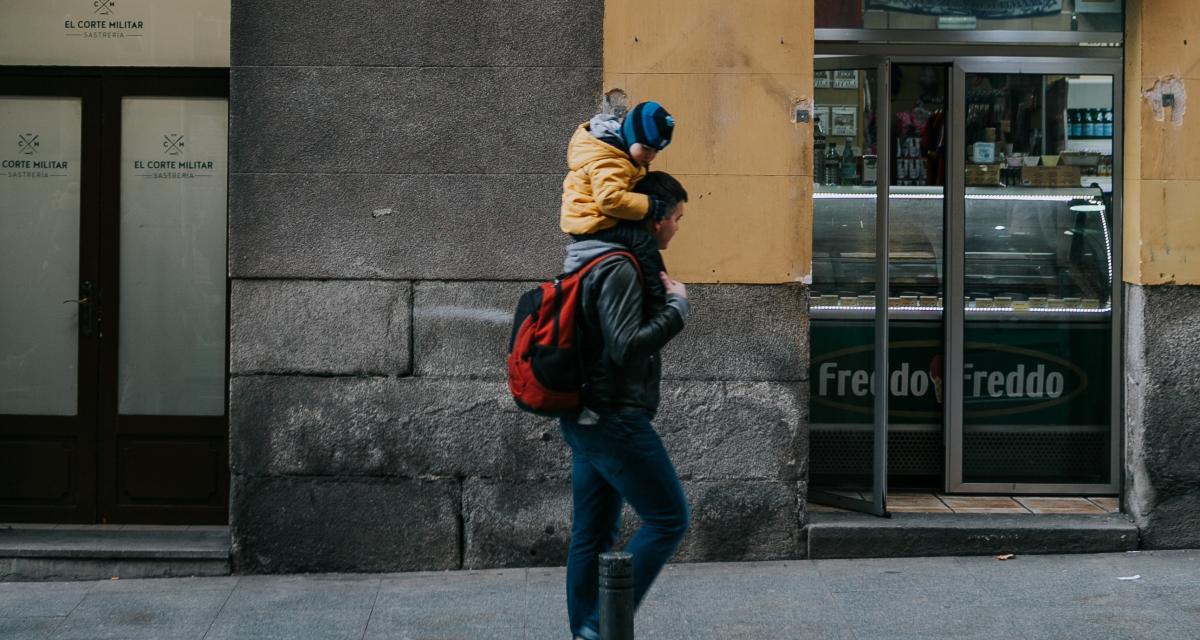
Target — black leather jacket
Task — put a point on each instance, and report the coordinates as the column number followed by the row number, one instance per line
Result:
column 622, row 367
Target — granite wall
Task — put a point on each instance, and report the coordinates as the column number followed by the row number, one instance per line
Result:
column 394, row 186
column 1162, row 414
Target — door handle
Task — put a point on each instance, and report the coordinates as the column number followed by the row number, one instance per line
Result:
column 89, row 315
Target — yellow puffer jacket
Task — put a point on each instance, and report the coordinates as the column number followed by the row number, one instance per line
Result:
column 596, row 191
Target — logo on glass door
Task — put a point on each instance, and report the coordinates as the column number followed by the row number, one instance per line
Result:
column 173, row 144
column 104, row 7
column 28, row 143
column 177, row 167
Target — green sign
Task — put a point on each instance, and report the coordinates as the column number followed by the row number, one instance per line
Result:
column 1027, row 373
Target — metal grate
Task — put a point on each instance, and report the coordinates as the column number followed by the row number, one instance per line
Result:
column 988, row 456
column 1035, row 456
column 844, row 452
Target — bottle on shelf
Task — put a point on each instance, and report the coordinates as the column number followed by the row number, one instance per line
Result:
column 1108, row 123
column 818, row 150
column 833, row 165
column 1089, row 123
column 849, row 165
column 870, row 169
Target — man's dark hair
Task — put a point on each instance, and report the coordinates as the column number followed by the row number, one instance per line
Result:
column 662, row 185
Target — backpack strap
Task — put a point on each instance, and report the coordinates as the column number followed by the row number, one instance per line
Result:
column 580, row 274
column 583, row 271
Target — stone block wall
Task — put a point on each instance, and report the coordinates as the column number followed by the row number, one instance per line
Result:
column 1161, row 273
column 1162, row 414
column 395, row 176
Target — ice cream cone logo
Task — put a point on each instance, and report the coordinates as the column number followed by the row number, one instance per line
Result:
column 935, row 374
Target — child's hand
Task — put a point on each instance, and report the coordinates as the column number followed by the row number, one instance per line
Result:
column 673, row 286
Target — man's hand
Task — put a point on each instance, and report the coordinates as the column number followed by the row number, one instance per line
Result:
column 673, row 286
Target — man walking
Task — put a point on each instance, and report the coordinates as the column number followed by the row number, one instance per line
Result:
column 616, row 454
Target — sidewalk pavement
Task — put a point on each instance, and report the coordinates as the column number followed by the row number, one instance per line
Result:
column 1127, row 595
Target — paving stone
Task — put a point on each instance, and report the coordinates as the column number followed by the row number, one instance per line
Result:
column 1088, row 623
column 1059, row 505
column 871, row 575
column 323, row 327
column 142, row 615
column 913, row 616
column 296, row 609
column 162, row 585
column 49, row 599
column 29, row 628
column 1058, row 596
column 434, row 608
column 983, row 504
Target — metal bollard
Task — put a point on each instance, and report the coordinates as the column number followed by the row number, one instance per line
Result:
column 616, row 596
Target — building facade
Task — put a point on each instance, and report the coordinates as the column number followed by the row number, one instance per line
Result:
column 393, row 175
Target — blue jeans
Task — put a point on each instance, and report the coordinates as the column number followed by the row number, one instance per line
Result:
column 619, row 459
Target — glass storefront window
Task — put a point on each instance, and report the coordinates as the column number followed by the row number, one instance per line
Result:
column 171, row 355
column 39, row 254
column 1038, row 279
column 846, row 158
column 1034, row 220
column 1094, row 16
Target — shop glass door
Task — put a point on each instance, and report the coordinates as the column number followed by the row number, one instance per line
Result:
column 1035, row 280
column 909, row 165
column 113, row 343
column 164, row 446
column 1002, row 318
column 848, row 304
column 48, row 322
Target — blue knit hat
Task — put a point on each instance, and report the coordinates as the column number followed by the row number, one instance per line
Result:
column 650, row 124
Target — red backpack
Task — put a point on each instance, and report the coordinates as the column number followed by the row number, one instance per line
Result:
column 545, row 373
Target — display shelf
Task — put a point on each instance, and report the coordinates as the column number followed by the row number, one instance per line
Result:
column 1029, row 253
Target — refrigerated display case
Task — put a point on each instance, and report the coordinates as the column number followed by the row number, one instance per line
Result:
column 1038, row 277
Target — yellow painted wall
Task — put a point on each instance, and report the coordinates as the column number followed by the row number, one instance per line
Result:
column 730, row 73
column 1162, row 160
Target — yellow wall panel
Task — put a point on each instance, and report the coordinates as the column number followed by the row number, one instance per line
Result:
column 1131, row 264
column 1162, row 160
column 1169, row 151
column 699, row 36
column 1170, row 44
column 742, row 229
column 1170, row 249
column 732, row 74
column 738, row 124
